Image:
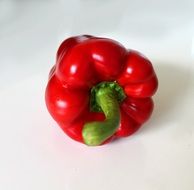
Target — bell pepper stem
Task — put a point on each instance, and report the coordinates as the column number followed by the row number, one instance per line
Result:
column 95, row 133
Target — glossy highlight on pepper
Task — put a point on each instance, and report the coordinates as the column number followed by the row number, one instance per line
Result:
column 98, row 90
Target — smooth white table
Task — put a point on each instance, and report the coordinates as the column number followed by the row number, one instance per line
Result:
column 36, row 154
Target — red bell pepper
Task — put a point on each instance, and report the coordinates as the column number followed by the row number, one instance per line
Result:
column 98, row 90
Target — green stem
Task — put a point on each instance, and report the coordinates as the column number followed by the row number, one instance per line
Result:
column 95, row 133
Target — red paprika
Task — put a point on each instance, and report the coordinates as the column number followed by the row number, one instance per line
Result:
column 98, row 90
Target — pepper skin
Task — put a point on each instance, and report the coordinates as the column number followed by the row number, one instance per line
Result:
column 98, row 90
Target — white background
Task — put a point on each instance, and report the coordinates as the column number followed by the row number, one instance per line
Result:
column 36, row 154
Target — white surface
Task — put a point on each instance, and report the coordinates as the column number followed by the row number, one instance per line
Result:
column 35, row 153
